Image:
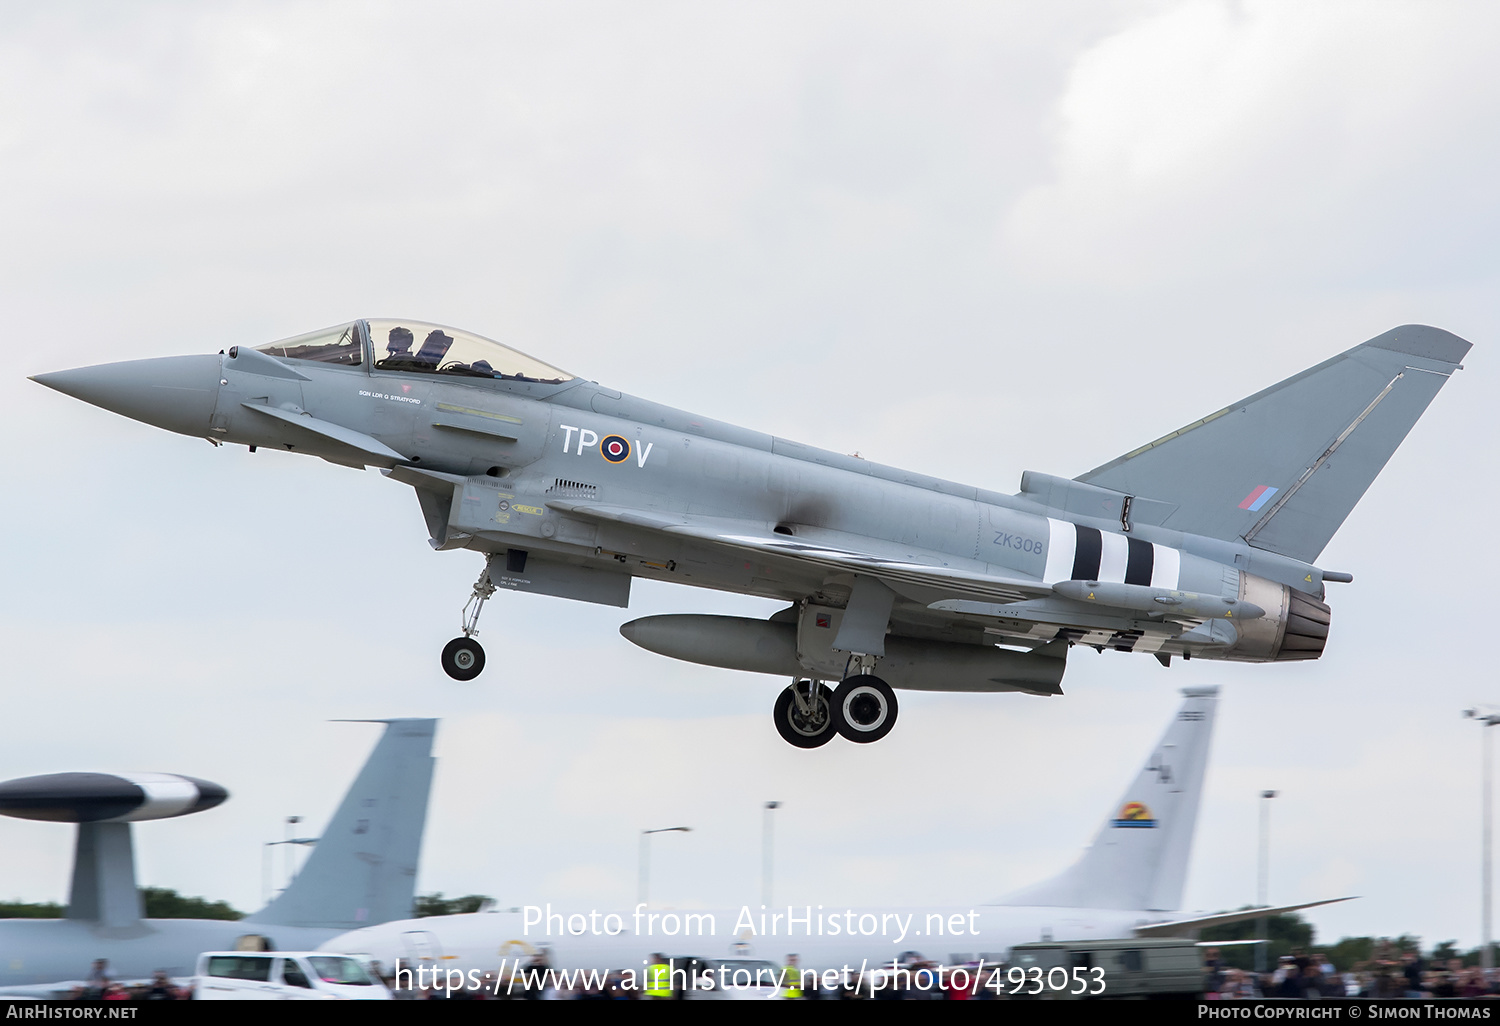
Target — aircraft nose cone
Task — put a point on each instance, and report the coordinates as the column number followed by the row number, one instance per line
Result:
column 174, row 392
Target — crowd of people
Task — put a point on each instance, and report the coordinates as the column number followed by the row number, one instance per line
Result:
column 1388, row 974
column 99, row 987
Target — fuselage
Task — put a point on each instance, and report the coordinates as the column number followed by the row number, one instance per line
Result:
column 501, row 464
column 522, row 447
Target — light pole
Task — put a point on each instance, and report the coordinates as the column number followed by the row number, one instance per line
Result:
column 645, row 862
column 291, row 821
column 765, row 852
column 265, row 864
column 1487, row 718
column 1263, row 879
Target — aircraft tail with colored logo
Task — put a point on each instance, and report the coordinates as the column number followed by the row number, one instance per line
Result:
column 1139, row 859
column 1283, row 468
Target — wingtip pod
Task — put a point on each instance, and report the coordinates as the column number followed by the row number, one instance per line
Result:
column 1425, row 342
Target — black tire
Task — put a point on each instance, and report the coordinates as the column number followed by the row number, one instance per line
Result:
column 795, row 729
column 463, row 659
column 864, row 709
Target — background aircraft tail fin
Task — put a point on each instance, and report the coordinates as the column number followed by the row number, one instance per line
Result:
column 1139, row 859
column 1284, row 467
column 363, row 869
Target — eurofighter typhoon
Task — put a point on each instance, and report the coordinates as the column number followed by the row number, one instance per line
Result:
column 1201, row 544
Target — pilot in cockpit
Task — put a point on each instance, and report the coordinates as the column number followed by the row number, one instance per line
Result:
column 398, row 349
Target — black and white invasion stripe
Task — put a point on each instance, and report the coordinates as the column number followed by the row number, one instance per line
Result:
column 1077, row 553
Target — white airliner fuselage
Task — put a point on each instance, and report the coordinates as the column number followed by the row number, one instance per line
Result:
column 1128, row 883
column 826, row 938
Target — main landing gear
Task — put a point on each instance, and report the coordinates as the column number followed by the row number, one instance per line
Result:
column 804, row 714
column 463, row 658
column 863, row 709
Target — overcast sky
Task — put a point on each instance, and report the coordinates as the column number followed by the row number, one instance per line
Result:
column 966, row 239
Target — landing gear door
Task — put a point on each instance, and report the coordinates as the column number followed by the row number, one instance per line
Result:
column 817, row 626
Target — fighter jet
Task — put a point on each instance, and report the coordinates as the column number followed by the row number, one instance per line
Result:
column 1200, row 544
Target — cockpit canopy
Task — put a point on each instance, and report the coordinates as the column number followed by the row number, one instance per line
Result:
column 415, row 347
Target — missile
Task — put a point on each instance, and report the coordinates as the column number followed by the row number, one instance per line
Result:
column 764, row 646
column 1161, row 601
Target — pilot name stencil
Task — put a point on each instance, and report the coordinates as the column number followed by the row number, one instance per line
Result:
column 393, row 398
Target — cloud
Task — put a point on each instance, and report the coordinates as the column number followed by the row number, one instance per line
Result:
column 1298, row 146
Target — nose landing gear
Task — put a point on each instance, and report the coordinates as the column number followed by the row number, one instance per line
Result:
column 463, row 658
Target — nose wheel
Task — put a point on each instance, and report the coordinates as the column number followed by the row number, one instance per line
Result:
column 804, row 714
column 864, row 708
column 463, row 658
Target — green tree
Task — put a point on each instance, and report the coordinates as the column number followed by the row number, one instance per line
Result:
column 1444, row 951
column 30, row 910
column 1350, row 952
column 1285, row 932
column 437, row 905
column 1404, row 943
column 1471, row 957
column 165, row 903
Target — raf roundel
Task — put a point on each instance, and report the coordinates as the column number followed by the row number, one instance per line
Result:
column 615, row 449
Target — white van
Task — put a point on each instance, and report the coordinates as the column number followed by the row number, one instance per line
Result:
column 284, row 976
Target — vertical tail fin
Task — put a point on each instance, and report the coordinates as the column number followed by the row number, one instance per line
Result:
column 364, row 868
column 1283, row 468
column 1139, row 859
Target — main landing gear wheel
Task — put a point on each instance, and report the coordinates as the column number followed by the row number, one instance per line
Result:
column 864, row 708
column 463, row 659
column 805, row 718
